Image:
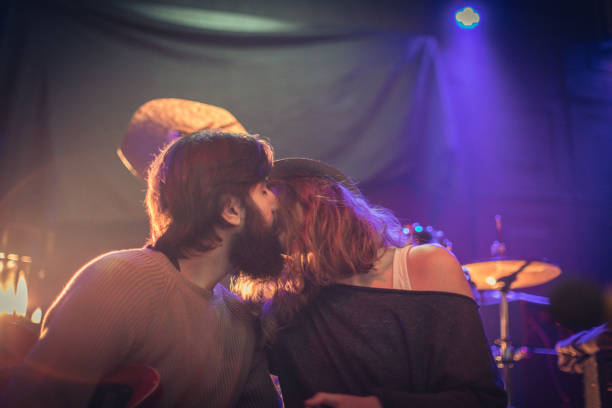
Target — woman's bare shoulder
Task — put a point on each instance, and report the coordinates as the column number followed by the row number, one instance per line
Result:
column 434, row 268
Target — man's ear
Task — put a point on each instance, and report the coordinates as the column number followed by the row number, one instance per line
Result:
column 233, row 211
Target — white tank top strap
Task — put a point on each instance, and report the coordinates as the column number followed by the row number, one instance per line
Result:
column 401, row 279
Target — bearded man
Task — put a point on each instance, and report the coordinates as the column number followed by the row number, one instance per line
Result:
column 211, row 215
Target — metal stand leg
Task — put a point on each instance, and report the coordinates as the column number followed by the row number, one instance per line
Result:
column 505, row 359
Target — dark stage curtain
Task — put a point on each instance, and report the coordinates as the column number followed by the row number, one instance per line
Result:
column 367, row 102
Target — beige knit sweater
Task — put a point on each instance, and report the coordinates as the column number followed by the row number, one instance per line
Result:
column 133, row 306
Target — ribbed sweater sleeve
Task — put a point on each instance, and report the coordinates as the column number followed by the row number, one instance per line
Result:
column 92, row 326
column 259, row 390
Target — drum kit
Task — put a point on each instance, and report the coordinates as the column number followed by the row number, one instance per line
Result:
column 496, row 281
column 496, row 277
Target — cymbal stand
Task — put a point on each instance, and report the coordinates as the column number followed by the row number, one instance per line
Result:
column 504, row 353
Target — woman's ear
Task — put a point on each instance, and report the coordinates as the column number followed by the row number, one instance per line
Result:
column 233, row 211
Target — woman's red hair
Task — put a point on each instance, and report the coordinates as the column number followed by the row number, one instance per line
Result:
column 329, row 233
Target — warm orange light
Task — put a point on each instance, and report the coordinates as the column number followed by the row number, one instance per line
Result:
column 7, row 297
column 21, row 296
column 37, row 316
column 14, row 300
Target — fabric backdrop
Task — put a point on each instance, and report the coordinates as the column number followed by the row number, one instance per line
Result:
column 447, row 134
column 368, row 103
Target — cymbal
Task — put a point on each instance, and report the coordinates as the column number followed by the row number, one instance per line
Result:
column 495, row 273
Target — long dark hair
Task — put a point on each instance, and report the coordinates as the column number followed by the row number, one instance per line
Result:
column 191, row 180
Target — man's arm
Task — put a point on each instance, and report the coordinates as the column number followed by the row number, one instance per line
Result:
column 87, row 332
column 259, row 390
column 342, row 401
column 400, row 399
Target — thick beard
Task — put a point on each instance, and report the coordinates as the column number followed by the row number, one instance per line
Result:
column 256, row 249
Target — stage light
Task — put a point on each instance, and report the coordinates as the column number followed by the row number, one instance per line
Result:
column 37, row 316
column 467, row 18
column 418, row 228
column 406, row 230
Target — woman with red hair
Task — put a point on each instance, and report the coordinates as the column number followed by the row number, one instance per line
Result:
column 360, row 319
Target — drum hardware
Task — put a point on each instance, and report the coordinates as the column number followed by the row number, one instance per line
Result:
column 493, row 297
column 492, row 281
column 500, row 274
